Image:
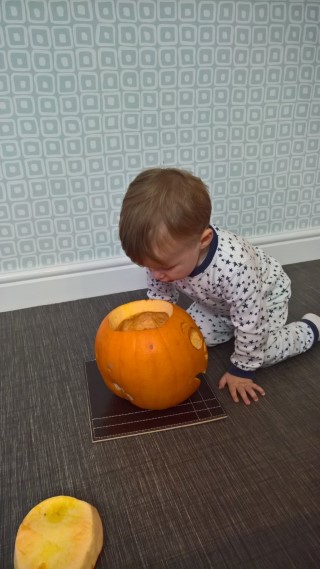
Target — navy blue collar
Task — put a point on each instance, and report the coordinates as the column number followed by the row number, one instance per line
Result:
column 207, row 260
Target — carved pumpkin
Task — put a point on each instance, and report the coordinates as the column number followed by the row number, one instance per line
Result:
column 149, row 352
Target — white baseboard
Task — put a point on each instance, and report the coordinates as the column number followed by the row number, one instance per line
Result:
column 25, row 289
column 288, row 248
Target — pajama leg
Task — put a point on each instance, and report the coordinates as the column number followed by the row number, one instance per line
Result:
column 215, row 329
column 285, row 340
column 291, row 340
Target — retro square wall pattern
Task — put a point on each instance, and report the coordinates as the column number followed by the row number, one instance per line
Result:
column 93, row 91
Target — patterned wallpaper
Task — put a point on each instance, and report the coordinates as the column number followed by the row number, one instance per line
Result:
column 93, row 91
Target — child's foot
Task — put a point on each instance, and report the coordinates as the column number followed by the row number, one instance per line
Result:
column 314, row 322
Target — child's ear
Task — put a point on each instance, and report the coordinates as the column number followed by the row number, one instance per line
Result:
column 206, row 238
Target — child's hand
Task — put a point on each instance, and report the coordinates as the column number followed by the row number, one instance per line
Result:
column 240, row 386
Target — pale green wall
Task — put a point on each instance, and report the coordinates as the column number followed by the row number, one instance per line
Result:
column 93, row 91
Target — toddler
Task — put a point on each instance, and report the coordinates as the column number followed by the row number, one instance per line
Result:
column 238, row 291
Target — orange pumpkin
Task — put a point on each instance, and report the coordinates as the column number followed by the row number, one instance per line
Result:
column 149, row 352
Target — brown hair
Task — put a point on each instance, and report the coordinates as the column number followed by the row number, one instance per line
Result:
column 162, row 200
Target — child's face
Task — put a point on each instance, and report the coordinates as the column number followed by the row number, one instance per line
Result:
column 178, row 259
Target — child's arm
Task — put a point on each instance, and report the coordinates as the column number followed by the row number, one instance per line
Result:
column 248, row 313
column 239, row 386
column 249, row 316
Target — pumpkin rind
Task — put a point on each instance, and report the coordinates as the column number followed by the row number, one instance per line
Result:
column 153, row 368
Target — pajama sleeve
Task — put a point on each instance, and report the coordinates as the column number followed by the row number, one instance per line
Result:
column 248, row 314
column 161, row 291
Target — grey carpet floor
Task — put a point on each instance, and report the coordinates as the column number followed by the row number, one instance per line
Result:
column 234, row 494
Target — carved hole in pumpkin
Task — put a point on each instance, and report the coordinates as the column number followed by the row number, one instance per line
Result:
column 185, row 327
column 195, row 338
column 143, row 321
column 123, row 392
column 127, row 311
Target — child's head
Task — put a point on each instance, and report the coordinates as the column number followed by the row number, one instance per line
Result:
column 163, row 206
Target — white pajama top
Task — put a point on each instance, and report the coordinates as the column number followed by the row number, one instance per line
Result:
column 239, row 281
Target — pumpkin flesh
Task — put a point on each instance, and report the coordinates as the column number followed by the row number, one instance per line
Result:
column 61, row 531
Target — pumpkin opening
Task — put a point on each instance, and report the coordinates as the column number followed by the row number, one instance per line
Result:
column 140, row 315
column 195, row 338
column 144, row 321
